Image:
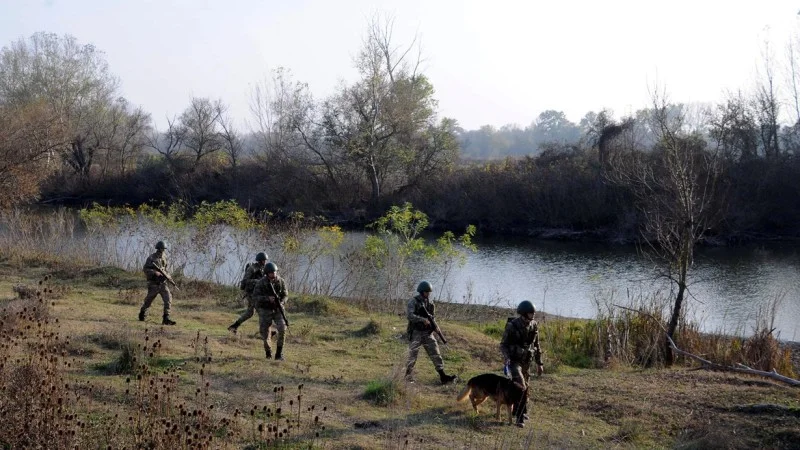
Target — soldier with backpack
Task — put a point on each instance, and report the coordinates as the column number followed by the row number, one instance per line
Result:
column 269, row 296
column 252, row 273
column 520, row 346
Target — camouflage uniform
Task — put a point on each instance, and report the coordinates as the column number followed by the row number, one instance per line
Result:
column 420, row 334
column 265, row 295
column 519, row 345
column 156, row 284
column 252, row 274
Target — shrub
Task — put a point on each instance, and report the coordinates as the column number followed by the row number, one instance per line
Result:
column 371, row 329
column 384, row 392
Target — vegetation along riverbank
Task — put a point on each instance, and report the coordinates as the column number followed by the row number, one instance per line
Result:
column 77, row 369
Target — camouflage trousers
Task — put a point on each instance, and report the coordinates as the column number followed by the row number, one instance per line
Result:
column 266, row 318
column 420, row 338
column 154, row 289
column 248, row 313
column 520, row 372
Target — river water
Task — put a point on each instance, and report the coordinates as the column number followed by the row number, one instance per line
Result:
column 730, row 287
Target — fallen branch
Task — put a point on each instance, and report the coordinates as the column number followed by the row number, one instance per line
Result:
column 706, row 364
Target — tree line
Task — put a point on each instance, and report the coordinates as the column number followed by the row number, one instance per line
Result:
column 68, row 137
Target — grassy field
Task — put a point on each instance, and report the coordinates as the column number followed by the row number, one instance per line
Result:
column 139, row 384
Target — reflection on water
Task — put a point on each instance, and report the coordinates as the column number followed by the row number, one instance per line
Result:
column 729, row 286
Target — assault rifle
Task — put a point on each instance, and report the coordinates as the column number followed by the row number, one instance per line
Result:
column 166, row 275
column 280, row 305
column 433, row 324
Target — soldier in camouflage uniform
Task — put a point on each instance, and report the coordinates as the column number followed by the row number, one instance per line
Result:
column 252, row 274
column 267, row 294
column 420, row 332
column 157, row 283
column 520, row 345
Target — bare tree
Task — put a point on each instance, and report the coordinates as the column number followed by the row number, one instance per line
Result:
column 674, row 188
column 283, row 111
column 232, row 143
column 288, row 128
column 767, row 106
column 793, row 75
column 167, row 144
column 131, row 136
column 120, row 135
column 199, row 125
column 734, row 129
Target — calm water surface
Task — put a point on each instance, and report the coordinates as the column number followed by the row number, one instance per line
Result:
column 730, row 287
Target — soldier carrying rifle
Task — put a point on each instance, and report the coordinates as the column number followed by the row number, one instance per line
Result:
column 421, row 327
column 155, row 269
column 253, row 272
column 269, row 296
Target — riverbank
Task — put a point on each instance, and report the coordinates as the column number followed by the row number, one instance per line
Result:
column 348, row 356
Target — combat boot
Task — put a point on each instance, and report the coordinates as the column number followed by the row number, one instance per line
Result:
column 267, row 351
column 167, row 321
column 522, row 415
column 233, row 328
column 141, row 315
column 445, row 378
column 279, row 354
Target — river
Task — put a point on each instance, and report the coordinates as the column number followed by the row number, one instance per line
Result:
column 730, row 287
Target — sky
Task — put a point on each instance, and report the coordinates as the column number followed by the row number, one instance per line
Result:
column 491, row 62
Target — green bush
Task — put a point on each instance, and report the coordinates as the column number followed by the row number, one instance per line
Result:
column 383, row 392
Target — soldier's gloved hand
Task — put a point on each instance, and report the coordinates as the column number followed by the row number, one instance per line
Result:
column 272, row 300
column 426, row 322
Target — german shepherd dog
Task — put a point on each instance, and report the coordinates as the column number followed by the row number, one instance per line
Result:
column 501, row 389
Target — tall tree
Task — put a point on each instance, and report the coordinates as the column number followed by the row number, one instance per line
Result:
column 553, row 126
column 72, row 79
column 28, row 136
column 674, row 189
column 767, row 106
column 734, row 129
column 200, row 129
column 121, row 135
column 385, row 124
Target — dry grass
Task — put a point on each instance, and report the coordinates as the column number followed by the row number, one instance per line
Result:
column 195, row 385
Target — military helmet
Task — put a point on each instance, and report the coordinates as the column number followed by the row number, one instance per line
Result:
column 261, row 256
column 160, row 245
column 271, row 267
column 424, row 287
column 526, row 307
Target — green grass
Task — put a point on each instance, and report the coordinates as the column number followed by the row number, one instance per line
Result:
column 350, row 362
column 384, row 392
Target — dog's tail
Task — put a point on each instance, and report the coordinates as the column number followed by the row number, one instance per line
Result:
column 464, row 393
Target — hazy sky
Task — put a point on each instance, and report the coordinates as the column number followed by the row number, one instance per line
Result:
column 491, row 62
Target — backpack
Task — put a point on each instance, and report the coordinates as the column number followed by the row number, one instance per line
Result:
column 243, row 283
